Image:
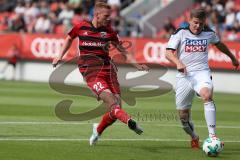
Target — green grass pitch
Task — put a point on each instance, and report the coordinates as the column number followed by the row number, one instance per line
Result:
column 30, row 130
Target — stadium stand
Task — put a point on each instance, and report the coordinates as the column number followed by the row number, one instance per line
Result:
column 58, row 17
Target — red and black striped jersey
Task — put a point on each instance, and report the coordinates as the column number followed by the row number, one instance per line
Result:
column 93, row 41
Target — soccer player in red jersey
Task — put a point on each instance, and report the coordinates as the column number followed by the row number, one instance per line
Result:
column 97, row 68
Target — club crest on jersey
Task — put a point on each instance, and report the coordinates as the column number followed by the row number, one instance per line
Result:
column 103, row 34
column 196, row 45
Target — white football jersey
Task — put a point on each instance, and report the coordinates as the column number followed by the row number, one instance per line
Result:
column 192, row 49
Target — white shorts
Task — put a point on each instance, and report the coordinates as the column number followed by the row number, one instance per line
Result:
column 188, row 85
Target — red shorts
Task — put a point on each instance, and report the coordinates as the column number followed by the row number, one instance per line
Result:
column 100, row 78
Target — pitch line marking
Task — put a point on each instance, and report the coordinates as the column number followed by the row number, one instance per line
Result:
column 88, row 123
column 107, row 139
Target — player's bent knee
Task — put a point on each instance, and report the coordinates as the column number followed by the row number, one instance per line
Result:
column 118, row 99
column 107, row 97
column 206, row 94
column 183, row 116
column 207, row 97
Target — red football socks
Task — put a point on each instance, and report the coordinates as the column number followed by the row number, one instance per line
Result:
column 110, row 117
column 120, row 114
column 106, row 121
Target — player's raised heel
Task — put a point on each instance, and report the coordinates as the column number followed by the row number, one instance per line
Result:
column 95, row 136
column 134, row 126
column 195, row 143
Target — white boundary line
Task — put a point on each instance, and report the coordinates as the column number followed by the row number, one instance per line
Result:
column 88, row 123
column 82, row 139
column 199, row 126
column 44, row 123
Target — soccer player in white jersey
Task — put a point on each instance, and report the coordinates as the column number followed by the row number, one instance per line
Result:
column 188, row 49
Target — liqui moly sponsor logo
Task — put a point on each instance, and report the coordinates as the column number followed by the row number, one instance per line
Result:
column 196, row 45
column 93, row 44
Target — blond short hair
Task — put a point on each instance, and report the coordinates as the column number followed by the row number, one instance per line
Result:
column 101, row 5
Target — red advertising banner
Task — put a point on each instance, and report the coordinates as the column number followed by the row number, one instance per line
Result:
column 45, row 47
column 7, row 41
column 143, row 50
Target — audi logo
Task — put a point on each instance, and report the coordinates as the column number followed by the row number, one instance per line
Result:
column 155, row 52
column 46, row 47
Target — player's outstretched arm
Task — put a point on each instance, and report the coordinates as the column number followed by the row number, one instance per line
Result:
column 66, row 46
column 171, row 56
column 126, row 54
column 222, row 47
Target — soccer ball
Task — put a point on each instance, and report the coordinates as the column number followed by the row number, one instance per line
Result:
column 212, row 146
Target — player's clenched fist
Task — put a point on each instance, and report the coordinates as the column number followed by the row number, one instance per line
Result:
column 55, row 61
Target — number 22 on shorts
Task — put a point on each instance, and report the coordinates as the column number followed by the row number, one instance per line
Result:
column 98, row 86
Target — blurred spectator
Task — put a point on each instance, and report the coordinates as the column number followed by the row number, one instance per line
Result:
column 30, row 15
column 184, row 23
column 238, row 17
column 56, row 7
column 168, row 29
column 229, row 5
column 31, row 12
column 119, row 24
column 79, row 15
column 232, row 35
column 89, row 6
column 213, row 22
column 75, row 3
column 43, row 24
column 17, row 23
column 65, row 16
column 57, row 16
column 223, row 17
column 44, row 7
column 230, row 19
column 4, row 22
column 116, row 3
column 20, row 8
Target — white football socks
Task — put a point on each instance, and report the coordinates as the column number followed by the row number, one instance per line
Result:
column 210, row 116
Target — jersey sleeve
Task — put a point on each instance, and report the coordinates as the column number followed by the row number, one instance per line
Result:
column 214, row 39
column 174, row 41
column 116, row 37
column 73, row 33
